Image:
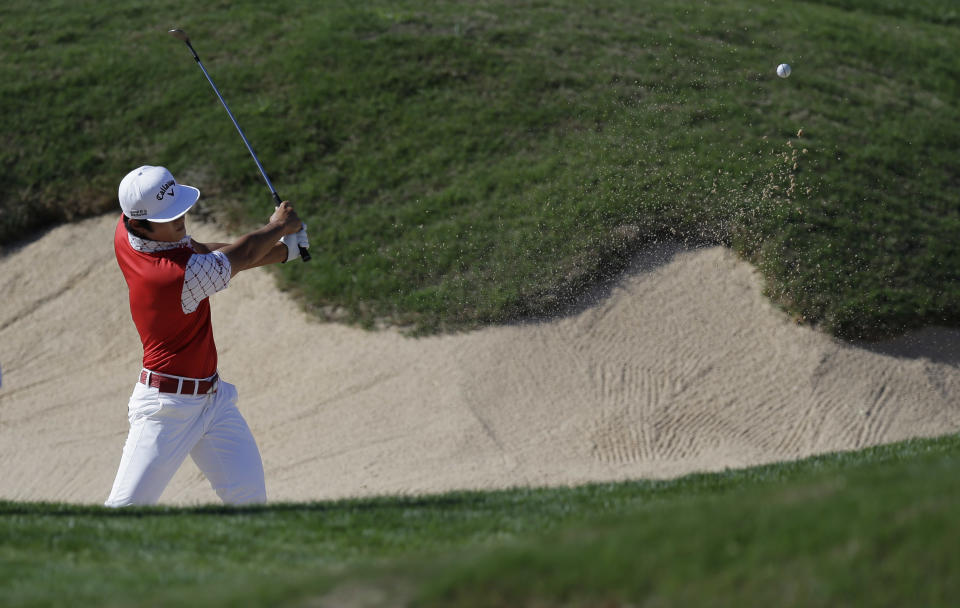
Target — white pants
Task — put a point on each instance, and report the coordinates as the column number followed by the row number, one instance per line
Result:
column 165, row 427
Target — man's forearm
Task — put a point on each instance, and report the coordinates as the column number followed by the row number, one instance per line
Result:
column 256, row 248
column 278, row 253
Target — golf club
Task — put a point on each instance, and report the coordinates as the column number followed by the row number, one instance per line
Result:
column 180, row 34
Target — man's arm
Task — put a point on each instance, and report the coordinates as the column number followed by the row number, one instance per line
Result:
column 261, row 246
column 276, row 255
column 207, row 247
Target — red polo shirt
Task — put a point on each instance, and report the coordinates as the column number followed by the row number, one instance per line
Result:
column 174, row 342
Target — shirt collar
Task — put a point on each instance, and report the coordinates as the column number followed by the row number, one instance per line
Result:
column 148, row 246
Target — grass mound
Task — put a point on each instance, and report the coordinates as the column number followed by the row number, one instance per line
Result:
column 464, row 164
column 875, row 527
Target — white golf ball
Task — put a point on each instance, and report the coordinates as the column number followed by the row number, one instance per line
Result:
column 783, row 70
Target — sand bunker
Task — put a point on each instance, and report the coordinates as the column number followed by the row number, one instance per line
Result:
column 680, row 366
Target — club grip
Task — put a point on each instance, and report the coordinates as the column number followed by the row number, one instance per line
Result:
column 304, row 254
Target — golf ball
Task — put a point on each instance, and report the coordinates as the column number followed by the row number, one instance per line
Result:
column 783, row 70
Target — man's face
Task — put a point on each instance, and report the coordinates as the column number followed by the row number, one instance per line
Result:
column 170, row 231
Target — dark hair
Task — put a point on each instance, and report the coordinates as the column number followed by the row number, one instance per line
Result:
column 145, row 225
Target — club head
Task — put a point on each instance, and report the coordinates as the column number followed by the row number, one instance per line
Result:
column 182, row 35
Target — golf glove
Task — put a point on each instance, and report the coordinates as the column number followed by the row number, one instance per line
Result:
column 294, row 242
column 302, row 240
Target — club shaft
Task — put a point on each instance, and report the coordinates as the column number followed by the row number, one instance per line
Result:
column 304, row 253
column 246, row 142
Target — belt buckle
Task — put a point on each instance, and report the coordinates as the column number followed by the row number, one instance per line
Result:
column 213, row 385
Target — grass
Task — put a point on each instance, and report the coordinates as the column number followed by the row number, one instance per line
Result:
column 462, row 164
column 875, row 527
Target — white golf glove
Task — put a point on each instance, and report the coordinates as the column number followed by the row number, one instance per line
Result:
column 302, row 240
column 294, row 242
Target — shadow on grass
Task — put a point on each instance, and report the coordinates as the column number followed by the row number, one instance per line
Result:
column 938, row 344
column 8, row 508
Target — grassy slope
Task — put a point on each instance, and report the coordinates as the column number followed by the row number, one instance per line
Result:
column 461, row 164
column 876, row 527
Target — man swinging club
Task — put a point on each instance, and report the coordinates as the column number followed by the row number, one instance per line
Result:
column 180, row 405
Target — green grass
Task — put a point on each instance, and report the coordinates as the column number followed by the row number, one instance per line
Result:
column 876, row 527
column 461, row 164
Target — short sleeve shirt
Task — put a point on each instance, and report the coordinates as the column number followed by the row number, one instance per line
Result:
column 205, row 274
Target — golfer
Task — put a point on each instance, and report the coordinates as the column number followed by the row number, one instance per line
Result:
column 180, row 405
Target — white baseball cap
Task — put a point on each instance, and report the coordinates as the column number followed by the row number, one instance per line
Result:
column 151, row 193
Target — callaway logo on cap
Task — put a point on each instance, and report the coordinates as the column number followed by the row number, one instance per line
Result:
column 151, row 193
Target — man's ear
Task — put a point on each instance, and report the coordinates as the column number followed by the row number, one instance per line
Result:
column 140, row 228
column 145, row 225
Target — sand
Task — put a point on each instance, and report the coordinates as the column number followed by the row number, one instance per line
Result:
column 681, row 365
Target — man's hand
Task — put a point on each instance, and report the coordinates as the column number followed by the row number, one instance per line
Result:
column 294, row 242
column 302, row 240
column 260, row 247
column 286, row 217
